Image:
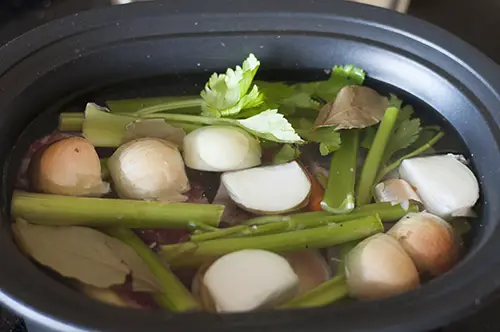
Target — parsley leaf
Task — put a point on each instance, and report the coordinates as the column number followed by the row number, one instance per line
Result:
column 286, row 154
column 328, row 138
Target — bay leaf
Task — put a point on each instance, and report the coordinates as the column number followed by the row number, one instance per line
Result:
column 354, row 107
column 85, row 254
column 156, row 128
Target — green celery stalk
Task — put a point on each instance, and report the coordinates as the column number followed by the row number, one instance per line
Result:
column 339, row 194
column 131, row 106
column 189, row 105
column 374, row 157
column 105, row 174
column 328, row 292
column 104, row 129
column 175, row 296
column 195, row 253
column 55, row 210
column 276, row 224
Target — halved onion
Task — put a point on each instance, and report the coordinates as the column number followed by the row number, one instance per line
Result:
column 378, row 267
column 429, row 240
column 70, row 167
column 221, row 149
column 269, row 189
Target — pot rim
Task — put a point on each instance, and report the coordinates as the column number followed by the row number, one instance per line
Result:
column 216, row 16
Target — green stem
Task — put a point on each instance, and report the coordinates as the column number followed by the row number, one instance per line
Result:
column 328, row 292
column 71, row 121
column 104, row 129
column 339, row 194
column 194, row 254
column 384, row 171
column 105, row 174
column 55, row 210
column 220, row 233
column 172, row 105
column 204, row 120
column 374, row 157
column 175, row 296
column 386, row 211
column 137, row 104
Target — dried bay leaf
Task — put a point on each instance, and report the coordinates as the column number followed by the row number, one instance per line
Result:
column 85, row 254
column 354, row 107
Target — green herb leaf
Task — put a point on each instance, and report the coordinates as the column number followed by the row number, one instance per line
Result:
column 286, row 154
column 227, row 94
column 328, row 137
column 405, row 134
column 272, row 126
column 340, row 77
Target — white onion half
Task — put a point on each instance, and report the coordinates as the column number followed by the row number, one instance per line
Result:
column 220, row 149
column 269, row 189
column 149, row 169
column 445, row 185
column 378, row 267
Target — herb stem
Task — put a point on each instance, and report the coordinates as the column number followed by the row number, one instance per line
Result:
column 170, row 106
column 194, row 254
column 328, row 292
column 175, row 296
column 384, row 171
column 375, row 154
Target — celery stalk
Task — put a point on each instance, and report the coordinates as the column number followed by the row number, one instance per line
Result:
column 104, row 129
column 175, row 296
column 55, row 210
column 324, row 294
column 374, row 157
column 339, row 194
column 276, row 224
column 195, row 253
column 137, row 104
column 71, row 121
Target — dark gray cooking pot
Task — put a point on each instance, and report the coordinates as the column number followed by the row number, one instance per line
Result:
column 65, row 59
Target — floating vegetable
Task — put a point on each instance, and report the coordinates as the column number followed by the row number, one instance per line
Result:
column 429, row 240
column 149, row 169
column 85, row 254
column 220, row 149
column 229, row 93
column 154, row 128
column 107, row 296
column 396, row 191
column 354, row 107
column 446, row 186
column 250, row 279
column 378, row 267
column 69, row 166
column 56, row 210
column 269, row 189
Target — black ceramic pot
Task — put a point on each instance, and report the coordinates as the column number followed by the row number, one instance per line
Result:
column 65, row 59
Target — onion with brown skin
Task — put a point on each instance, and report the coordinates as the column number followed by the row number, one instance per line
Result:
column 378, row 267
column 429, row 240
column 69, row 167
